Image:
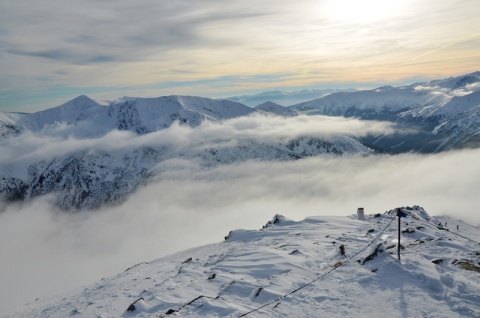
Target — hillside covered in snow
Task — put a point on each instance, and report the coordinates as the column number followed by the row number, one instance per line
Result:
column 86, row 117
column 91, row 155
column 284, row 98
column 433, row 116
column 321, row 266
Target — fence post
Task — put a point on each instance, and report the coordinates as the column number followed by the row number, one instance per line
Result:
column 399, row 214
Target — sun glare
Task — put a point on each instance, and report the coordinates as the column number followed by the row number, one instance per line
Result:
column 363, row 11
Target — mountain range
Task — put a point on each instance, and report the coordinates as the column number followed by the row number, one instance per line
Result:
column 285, row 98
column 433, row 116
column 322, row 266
column 91, row 176
column 427, row 117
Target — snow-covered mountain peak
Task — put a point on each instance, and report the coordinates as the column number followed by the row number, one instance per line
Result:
column 151, row 114
column 77, row 109
column 336, row 266
column 384, row 88
column 459, row 82
column 415, row 212
column 86, row 117
column 88, row 174
column 81, row 100
column 78, row 104
column 284, row 98
column 274, row 108
column 444, row 112
column 124, row 99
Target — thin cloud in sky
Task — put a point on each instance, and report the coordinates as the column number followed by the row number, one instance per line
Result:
column 90, row 45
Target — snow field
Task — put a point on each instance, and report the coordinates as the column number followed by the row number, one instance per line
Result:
column 291, row 269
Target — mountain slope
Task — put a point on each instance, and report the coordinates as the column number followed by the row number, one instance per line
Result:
column 430, row 117
column 276, row 109
column 284, row 98
column 90, row 178
column 83, row 117
column 110, row 151
column 150, row 114
column 433, row 116
column 296, row 269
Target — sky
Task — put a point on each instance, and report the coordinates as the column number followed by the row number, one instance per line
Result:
column 51, row 52
column 44, row 252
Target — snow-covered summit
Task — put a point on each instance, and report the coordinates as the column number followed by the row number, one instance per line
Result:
column 276, row 109
column 285, row 98
column 86, row 117
column 415, row 212
column 321, row 266
column 418, row 96
column 445, row 113
column 460, row 82
column 75, row 110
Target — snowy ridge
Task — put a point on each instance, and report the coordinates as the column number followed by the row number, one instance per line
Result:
column 336, row 266
column 8, row 124
column 78, row 109
column 432, row 96
column 91, row 170
column 186, row 109
column 430, row 117
column 87, row 118
column 276, row 109
column 285, row 98
column 89, row 179
column 460, row 82
column 445, row 113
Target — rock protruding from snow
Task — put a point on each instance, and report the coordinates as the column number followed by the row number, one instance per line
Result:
column 277, row 219
column 415, row 212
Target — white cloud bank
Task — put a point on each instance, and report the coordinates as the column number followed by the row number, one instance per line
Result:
column 44, row 252
column 59, row 140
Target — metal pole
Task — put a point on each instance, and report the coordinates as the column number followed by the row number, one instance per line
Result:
column 399, row 214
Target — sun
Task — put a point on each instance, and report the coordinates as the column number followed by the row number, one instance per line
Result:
column 363, row 11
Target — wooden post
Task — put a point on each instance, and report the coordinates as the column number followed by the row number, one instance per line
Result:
column 399, row 214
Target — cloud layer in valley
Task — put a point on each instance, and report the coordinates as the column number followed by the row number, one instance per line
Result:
column 45, row 252
column 59, row 139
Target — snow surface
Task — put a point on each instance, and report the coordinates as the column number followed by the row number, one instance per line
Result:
column 446, row 111
column 441, row 97
column 86, row 117
column 295, row 269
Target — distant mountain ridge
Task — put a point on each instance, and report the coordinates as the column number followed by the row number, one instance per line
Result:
column 140, row 115
column 271, row 107
column 285, row 98
column 90, row 177
column 431, row 117
column 437, row 115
